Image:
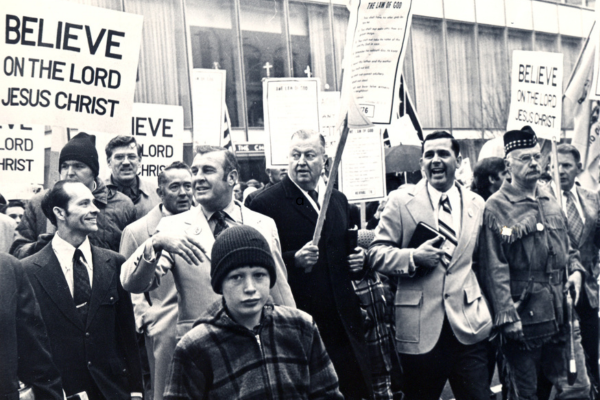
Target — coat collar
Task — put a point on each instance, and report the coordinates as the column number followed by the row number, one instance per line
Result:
column 301, row 203
column 152, row 219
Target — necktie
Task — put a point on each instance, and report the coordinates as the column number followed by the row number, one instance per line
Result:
column 315, row 196
column 446, row 223
column 574, row 219
column 220, row 224
column 82, row 291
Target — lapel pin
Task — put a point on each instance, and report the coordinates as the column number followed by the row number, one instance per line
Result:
column 539, row 227
column 470, row 212
column 506, row 231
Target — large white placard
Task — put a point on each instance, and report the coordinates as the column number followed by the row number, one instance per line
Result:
column 21, row 157
column 67, row 64
column 158, row 129
column 208, row 102
column 289, row 105
column 379, row 45
column 330, row 106
column 362, row 172
column 536, row 93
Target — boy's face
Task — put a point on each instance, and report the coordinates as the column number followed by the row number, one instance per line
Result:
column 246, row 290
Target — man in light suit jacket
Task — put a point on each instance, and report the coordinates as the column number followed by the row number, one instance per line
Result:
column 88, row 314
column 182, row 244
column 156, row 311
column 442, row 320
column 584, row 233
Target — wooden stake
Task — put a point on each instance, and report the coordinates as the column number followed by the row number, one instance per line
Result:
column 556, row 175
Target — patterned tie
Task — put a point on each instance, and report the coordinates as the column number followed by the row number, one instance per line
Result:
column 82, row 291
column 446, row 222
column 220, row 224
column 574, row 219
column 315, row 196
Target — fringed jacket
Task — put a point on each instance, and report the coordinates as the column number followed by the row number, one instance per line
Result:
column 525, row 258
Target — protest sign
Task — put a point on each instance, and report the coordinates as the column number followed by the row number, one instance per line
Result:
column 158, row 129
column 536, row 93
column 380, row 33
column 21, row 157
column 330, row 105
column 68, row 64
column 289, row 105
column 362, row 173
column 595, row 38
column 208, row 102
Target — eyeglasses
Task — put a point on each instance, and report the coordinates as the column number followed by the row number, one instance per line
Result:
column 527, row 158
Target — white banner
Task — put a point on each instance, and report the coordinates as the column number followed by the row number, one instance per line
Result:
column 21, row 157
column 208, row 100
column 330, row 106
column 68, row 64
column 289, row 104
column 379, row 45
column 158, row 129
column 362, row 171
column 536, row 93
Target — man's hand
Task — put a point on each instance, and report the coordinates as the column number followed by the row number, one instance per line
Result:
column 514, row 330
column 427, row 255
column 574, row 282
column 184, row 245
column 356, row 260
column 307, row 256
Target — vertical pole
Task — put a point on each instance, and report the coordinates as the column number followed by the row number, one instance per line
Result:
column 555, row 175
column 363, row 215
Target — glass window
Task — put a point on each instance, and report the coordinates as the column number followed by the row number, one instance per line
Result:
column 577, row 2
column 517, row 40
column 264, row 48
column 591, row 3
column 312, row 47
column 341, row 15
column 494, row 71
column 213, row 41
column 465, row 92
column 570, row 47
column 431, row 78
column 546, row 42
column 163, row 70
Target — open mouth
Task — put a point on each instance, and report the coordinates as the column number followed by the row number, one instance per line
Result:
column 438, row 172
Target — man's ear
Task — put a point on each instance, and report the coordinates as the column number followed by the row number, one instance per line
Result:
column 59, row 213
column 458, row 161
column 492, row 179
column 232, row 178
column 579, row 167
column 159, row 192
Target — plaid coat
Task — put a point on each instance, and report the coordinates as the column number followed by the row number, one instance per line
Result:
column 283, row 358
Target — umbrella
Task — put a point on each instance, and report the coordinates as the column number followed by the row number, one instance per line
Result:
column 402, row 159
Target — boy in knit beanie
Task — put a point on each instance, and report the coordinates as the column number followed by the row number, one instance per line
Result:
column 244, row 346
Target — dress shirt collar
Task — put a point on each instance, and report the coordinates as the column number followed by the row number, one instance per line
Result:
column 233, row 211
column 452, row 193
column 64, row 253
column 321, row 193
column 164, row 211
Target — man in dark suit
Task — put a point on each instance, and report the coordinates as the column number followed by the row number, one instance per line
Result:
column 320, row 276
column 24, row 346
column 88, row 315
column 581, row 207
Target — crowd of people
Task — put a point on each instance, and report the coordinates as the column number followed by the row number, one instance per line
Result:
column 201, row 286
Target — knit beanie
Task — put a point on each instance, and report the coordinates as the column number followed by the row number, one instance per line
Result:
column 236, row 247
column 81, row 148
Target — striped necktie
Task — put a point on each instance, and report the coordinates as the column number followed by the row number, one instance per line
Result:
column 220, row 224
column 82, row 290
column 574, row 220
column 446, row 223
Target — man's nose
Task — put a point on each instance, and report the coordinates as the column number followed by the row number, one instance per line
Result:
column 249, row 286
column 70, row 171
column 94, row 209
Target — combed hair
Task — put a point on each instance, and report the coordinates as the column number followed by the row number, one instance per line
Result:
column 174, row 165
column 442, row 135
column 121, row 141
column 231, row 162
column 566, row 148
column 56, row 197
column 15, row 203
column 485, row 168
column 307, row 134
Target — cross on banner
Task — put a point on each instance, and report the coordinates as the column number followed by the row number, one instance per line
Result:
column 268, row 67
column 307, row 71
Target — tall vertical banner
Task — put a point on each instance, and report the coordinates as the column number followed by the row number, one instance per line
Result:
column 67, row 64
column 21, row 157
column 362, row 172
column 595, row 38
column 208, row 102
column 289, row 105
column 158, row 129
column 378, row 47
column 536, row 93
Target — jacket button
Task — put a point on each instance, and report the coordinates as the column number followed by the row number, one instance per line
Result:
column 87, row 334
column 124, row 370
column 446, row 295
column 531, row 313
column 89, row 363
column 112, row 298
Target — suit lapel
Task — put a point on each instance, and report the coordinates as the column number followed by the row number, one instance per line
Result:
column 590, row 211
column 51, row 277
column 420, row 207
column 152, row 220
column 470, row 211
column 104, row 270
column 300, row 202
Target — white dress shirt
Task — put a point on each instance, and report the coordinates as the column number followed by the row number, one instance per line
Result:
column 455, row 204
column 233, row 215
column 320, row 189
column 64, row 252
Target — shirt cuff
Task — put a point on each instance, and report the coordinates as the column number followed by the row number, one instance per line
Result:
column 411, row 264
column 136, row 394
